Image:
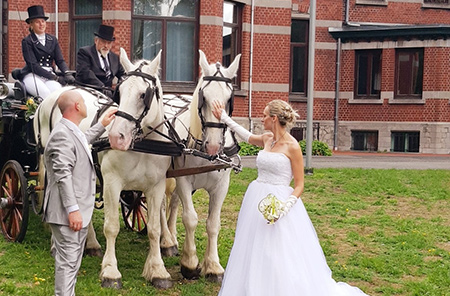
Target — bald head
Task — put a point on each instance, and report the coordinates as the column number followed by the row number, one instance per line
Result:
column 72, row 105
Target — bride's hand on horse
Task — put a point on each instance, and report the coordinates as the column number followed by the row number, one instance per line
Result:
column 217, row 109
column 109, row 116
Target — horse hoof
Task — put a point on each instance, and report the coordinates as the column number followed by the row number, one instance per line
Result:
column 170, row 252
column 214, row 278
column 93, row 253
column 112, row 283
column 162, row 284
column 190, row 274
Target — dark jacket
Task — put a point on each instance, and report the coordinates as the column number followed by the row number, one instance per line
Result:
column 37, row 56
column 90, row 71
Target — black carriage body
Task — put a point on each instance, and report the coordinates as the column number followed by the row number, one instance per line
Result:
column 16, row 133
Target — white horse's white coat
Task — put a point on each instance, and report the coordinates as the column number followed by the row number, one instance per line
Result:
column 216, row 183
column 125, row 171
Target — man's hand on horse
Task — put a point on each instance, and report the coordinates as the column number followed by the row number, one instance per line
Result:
column 109, row 116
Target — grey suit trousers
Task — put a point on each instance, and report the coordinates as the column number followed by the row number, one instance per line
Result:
column 68, row 252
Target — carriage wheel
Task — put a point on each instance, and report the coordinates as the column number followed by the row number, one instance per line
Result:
column 134, row 211
column 14, row 216
column 37, row 201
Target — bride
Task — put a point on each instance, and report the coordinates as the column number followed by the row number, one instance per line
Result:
column 281, row 257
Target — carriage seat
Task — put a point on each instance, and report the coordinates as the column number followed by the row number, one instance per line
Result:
column 20, row 91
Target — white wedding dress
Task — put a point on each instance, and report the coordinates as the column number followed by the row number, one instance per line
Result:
column 281, row 259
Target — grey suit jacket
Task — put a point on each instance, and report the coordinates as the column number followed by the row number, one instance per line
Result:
column 70, row 174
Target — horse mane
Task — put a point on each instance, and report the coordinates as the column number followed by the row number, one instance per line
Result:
column 195, row 123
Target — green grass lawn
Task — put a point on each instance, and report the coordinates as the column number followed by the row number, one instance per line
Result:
column 385, row 231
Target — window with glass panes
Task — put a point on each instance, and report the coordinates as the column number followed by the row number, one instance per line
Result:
column 364, row 140
column 231, row 36
column 409, row 73
column 405, row 141
column 299, row 56
column 86, row 18
column 170, row 26
column 368, row 74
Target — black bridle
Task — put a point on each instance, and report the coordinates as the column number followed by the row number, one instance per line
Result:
column 218, row 77
column 147, row 97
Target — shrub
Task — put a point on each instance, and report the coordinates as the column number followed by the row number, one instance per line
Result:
column 318, row 148
column 248, row 149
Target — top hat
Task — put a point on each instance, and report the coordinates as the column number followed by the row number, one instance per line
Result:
column 105, row 32
column 34, row 12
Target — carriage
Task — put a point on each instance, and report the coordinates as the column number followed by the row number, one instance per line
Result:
column 19, row 162
column 196, row 147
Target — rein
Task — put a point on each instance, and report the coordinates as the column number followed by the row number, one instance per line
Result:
column 218, row 77
column 148, row 96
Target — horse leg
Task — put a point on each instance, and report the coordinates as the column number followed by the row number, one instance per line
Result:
column 211, row 267
column 110, row 275
column 154, row 270
column 93, row 247
column 169, row 247
column 190, row 268
column 173, row 215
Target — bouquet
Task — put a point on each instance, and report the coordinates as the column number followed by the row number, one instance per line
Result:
column 271, row 208
column 31, row 107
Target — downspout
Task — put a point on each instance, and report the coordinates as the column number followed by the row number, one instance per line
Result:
column 338, row 82
column 347, row 11
column 250, row 79
column 56, row 19
column 336, row 103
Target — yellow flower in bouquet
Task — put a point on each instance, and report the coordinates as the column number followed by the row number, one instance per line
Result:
column 270, row 207
column 31, row 108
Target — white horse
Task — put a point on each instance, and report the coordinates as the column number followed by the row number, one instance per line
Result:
column 127, row 170
column 200, row 123
column 214, row 84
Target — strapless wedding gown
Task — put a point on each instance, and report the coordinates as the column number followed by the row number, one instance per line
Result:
column 281, row 259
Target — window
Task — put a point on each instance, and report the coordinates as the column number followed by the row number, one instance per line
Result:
column 409, row 73
column 436, row 1
column 232, row 30
column 299, row 57
column 169, row 26
column 299, row 131
column 368, row 74
column 405, row 141
column 365, row 140
column 86, row 18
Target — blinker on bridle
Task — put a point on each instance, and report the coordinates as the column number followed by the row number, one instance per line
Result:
column 148, row 96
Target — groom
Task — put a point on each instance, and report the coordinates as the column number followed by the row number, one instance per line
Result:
column 70, row 191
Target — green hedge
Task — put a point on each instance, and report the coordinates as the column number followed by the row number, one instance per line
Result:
column 318, row 148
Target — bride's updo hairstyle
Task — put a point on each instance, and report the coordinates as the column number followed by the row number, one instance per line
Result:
column 285, row 113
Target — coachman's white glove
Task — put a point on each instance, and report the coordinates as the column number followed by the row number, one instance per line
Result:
column 288, row 204
column 239, row 130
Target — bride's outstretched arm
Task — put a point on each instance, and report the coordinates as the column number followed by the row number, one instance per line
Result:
column 219, row 113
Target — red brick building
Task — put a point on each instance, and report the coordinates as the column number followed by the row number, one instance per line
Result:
column 389, row 59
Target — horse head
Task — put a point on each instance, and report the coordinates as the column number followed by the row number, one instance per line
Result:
column 141, row 107
column 214, row 85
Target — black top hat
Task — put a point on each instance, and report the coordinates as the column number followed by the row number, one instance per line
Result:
column 105, row 32
column 34, row 12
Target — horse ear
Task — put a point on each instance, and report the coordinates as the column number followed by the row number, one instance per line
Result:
column 233, row 68
column 203, row 63
column 126, row 64
column 154, row 65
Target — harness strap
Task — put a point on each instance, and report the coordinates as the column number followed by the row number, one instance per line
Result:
column 144, row 146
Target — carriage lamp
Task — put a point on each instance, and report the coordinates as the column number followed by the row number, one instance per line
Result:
column 4, row 90
column 3, row 203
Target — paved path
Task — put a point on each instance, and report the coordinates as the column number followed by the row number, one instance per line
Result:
column 373, row 160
